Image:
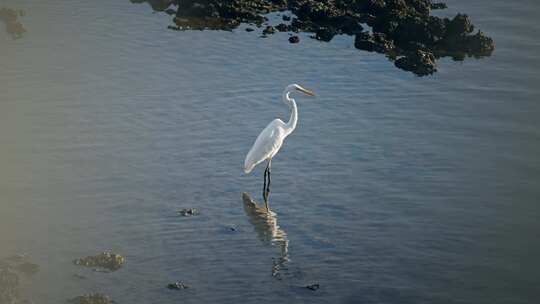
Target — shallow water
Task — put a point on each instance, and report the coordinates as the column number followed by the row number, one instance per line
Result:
column 393, row 189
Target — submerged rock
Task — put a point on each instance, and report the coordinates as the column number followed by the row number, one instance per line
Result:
column 105, row 260
column 269, row 30
column 313, row 287
column 294, row 39
column 94, row 298
column 177, row 286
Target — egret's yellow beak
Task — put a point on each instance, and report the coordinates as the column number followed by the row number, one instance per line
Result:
column 305, row 91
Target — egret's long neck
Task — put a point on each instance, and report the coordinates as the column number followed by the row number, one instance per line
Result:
column 291, row 125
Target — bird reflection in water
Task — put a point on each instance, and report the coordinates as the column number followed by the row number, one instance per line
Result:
column 268, row 231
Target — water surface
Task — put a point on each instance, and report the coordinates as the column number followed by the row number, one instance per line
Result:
column 393, row 188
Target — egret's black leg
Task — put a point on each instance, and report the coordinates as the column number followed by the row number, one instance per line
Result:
column 268, row 185
column 264, row 184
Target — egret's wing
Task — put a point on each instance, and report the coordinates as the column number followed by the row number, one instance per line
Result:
column 266, row 145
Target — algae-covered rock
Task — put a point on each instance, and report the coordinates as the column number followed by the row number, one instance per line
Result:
column 94, row 298
column 105, row 260
column 9, row 286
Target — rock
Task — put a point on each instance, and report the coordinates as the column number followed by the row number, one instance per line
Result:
column 419, row 62
column 480, row 44
column 188, row 212
column 400, row 27
column 460, row 25
column 94, row 298
column 313, row 287
column 439, row 5
column 12, row 25
column 347, row 25
column 9, row 286
column 325, row 34
column 105, row 260
column 282, row 27
column 269, row 30
column 170, row 11
column 294, row 39
column 249, row 29
column 375, row 42
column 177, row 286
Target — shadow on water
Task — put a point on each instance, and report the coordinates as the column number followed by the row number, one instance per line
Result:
column 268, row 231
column 10, row 18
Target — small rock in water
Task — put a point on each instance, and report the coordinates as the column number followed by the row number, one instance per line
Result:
column 249, row 29
column 282, row 27
column 286, row 18
column 313, row 287
column 269, row 30
column 177, row 286
column 94, row 298
column 188, row 212
column 106, row 260
column 294, row 39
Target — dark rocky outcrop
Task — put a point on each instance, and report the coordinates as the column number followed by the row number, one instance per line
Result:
column 420, row 62
column 376, row 42
column 106, row 260
column 401, row 29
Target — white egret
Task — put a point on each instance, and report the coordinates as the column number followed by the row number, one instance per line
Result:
column 271, row 138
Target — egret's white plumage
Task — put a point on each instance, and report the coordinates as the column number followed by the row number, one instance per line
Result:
column 271, row 138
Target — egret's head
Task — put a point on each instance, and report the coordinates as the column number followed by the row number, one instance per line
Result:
column 295, row 87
